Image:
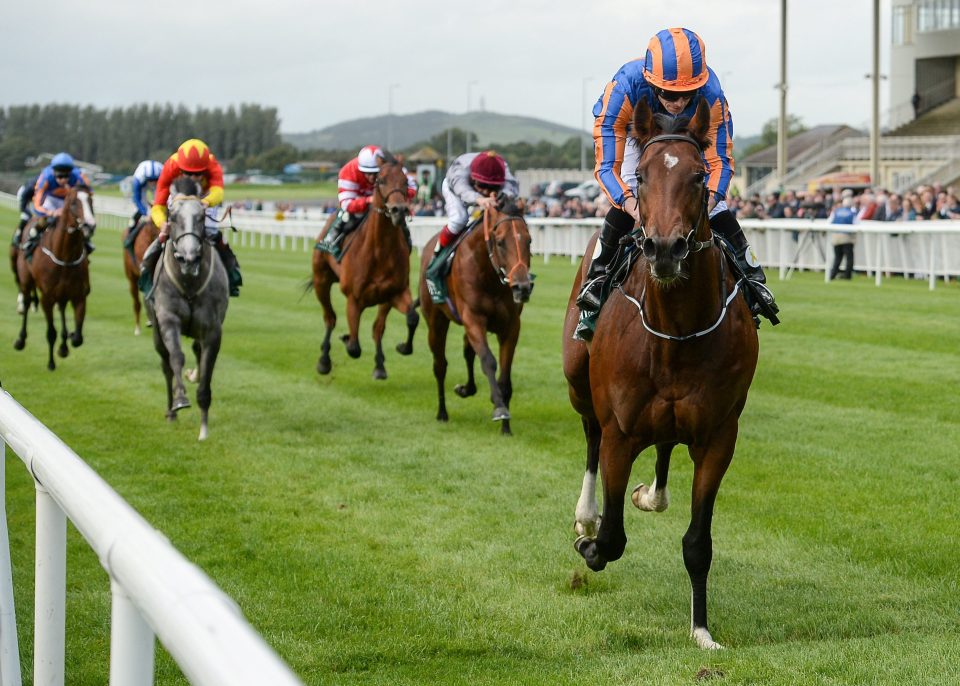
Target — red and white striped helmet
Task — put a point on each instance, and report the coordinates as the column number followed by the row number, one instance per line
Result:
column 367, row 159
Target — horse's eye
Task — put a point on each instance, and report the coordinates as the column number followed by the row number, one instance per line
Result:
column 501, row 243
column 699, row 177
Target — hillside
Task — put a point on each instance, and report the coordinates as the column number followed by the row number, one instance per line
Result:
column 409, row 129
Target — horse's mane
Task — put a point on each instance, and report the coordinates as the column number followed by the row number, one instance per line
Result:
column 512, row 207
column 670, row 124
column 389, row 158
column 184, row 185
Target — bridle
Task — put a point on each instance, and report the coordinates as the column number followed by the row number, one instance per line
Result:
column 71, row 228
column 379, row 184
column 693, row 245
column 489, row 238
column 179, row 200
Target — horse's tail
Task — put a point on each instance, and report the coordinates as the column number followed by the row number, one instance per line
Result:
column 305, row 287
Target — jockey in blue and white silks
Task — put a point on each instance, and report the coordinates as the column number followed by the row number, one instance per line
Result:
column 144, row 179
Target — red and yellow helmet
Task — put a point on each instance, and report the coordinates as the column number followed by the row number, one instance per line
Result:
column 676, row 60
column 193, row 155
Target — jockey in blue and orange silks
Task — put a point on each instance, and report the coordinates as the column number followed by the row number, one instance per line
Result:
column 669, row 77
column 52, row 186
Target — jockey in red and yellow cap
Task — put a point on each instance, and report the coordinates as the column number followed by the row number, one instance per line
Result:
column 192, row 158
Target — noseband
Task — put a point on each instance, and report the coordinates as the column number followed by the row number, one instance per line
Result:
column 380, row 183
column 489, row 239
column 693, row 245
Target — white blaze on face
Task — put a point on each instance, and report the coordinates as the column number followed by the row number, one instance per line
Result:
column 669, row 161
column 88, row 217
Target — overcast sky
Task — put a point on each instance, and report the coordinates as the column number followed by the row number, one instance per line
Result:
column 320, row 62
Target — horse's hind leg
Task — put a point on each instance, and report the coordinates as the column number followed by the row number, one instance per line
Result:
column 437, row 340
column 63, row 350
column 21, row 341
column 710, row 463
column 207, row 359
column 586, row 520
column 321, row 286
column 465, row 390
column 379, row 326
column 656, row 497
column 409, row 308
column 135, row 294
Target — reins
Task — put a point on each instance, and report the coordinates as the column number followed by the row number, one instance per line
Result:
column 489, row 239
column 70, row 229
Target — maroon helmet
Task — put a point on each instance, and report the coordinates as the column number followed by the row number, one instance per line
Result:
column 489, row 169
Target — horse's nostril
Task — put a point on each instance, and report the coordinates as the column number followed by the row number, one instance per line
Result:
column 679, row 248
column 649, row 247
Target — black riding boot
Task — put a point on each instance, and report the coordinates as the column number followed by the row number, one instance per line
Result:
column 615, row 226
column 231, row 264
column 725, row 224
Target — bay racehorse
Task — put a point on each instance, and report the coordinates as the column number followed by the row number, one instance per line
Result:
column 189, row 297
column 672, row 359
column 488, row 284
column 374, row 270
column 147, row 232
column 60, row 270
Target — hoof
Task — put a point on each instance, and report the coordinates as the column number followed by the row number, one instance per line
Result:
column 587, row 529
column 442, row 416
column 643, row 499
column 63, row 350
column 505, row 428
column 19, row 344
column 379, row 374
column 323, row 366
column 353, row 350
column 51, row 366
column 76, row 340
column 171, row 416
column 500, row 413
column 179, row 404
column 464, row 391
column 587, row 547
column 203, row 432
column 404, row 349
column 704, row 639
column 136, row 331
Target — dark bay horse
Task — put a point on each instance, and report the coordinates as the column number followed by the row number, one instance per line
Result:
column 374, row 270
column 59, row 269
column 147, row 233
column 189, row 297
column 488, row 284
column 671, row 362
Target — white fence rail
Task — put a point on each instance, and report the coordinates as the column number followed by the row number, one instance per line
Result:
column 927, row 249
column 156, row 591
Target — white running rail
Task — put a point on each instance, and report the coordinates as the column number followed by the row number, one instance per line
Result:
column 157, row 593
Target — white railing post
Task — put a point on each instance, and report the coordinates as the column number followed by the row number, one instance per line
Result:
column 9, row 650
column 131, row 642
column 51, row 592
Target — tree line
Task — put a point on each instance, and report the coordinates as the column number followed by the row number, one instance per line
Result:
column 120, row 138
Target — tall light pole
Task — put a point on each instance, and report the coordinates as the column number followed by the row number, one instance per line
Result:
column 390, row 114
column 583, row 121
column 782, row 123
column 875, row 124
column 470, row 85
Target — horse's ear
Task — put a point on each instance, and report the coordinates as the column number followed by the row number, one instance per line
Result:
column 642, row 122
column 699, row 126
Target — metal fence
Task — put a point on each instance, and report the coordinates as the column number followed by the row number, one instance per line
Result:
column 157, row 593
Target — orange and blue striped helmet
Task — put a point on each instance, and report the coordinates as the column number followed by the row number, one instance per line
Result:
column 676, row 60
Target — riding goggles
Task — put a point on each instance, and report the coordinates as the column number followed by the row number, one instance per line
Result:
column 673, row 96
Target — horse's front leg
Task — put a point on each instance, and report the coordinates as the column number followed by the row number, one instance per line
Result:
column 322, row 289
column 352, row 339
column 47, row 304
column 21, row 340
column 379, row 326
column 170, row 336
column 586, row 520
column 710, row 463
column 161, row 349
column 405, row 304
column 616, row 458
column 477, row 333
column 209, row 350
column 79, row 314
column 656, row 497
column 508, row 345
column 63, row 350
column 468, row 389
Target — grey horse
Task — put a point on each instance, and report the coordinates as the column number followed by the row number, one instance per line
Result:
column 189, row 297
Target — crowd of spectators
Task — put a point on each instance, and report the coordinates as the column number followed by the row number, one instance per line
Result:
column 877, row 204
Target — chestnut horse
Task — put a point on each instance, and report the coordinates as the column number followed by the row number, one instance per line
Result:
column 671, row 361
column 488, row 284
column 131, row 262
column 374, row 270
column 60, row 269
